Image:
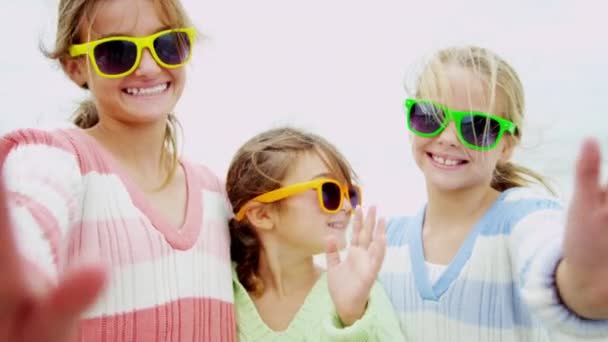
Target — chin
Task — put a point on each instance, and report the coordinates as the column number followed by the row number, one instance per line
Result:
column 447, row 185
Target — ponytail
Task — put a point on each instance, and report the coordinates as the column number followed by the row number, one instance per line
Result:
column 86, row 115
column 510, row 175
column 245, row 251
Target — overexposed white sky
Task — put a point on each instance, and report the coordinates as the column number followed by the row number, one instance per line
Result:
column 337, row 67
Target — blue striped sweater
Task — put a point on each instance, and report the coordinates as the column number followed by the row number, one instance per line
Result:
column 499, row 286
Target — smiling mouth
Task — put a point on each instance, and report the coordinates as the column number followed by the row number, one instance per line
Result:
column 337, row 225
column 149, row 91
column 446, row 161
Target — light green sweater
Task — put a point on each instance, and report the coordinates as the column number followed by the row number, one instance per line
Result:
column 316, row 320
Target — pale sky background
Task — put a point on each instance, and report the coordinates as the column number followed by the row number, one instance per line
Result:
column 337, row 67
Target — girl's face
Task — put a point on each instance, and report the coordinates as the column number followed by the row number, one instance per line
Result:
column 149, row 93
column 300, row 222
column 447, row 164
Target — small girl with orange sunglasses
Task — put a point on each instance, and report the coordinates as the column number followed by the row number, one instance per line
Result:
column 293, row 195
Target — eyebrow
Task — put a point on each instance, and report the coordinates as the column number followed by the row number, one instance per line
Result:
column 119, row 34
column 323, row 175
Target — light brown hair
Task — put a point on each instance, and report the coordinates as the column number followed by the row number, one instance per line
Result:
column 501, row 80
column 259, row 166
column 73, row 14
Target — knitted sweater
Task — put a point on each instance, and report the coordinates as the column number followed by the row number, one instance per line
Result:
column 316, row 320
column 500, row 286
column 70, row 201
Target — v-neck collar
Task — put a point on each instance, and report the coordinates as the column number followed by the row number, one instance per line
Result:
column 183, row 237
column 254, row 323
column 427, row 290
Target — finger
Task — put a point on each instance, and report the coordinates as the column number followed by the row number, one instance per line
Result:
column 58, row 313
column 587, row 188
column 368, row 228
column 357, row 226
column 9, row 258
column 332, row 256
column 377, row 248
column 12, row 286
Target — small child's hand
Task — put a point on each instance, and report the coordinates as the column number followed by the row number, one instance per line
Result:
column 582, row 276
column 31, row 309
column 350, row 280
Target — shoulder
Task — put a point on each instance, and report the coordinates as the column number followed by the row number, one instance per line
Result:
column 517, row 203
column 41, row 140
column 204, row 176
column 397, row 229
column 42, row 149
column 523, row 205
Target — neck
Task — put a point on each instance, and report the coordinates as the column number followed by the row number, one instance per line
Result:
column 446, row 209
column 286, row 272
column 139, row 148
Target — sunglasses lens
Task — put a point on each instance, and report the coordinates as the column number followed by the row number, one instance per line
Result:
column 355, row 196
column 425, row 118
column 115, row 57
column 173, row 48
column 332, row 196
column 479, row 130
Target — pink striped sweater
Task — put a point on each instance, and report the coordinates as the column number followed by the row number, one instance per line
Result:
column 69, row 201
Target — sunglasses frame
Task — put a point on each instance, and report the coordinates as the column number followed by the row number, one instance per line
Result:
column 290, row 190
column 141, row 43
column 457, row 116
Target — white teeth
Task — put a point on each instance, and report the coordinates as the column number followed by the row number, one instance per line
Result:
column 148, row 91
column 337, row 225
column 444, row 161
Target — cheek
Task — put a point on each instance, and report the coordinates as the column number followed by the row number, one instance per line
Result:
column 179, row 76
column 485, row 161
column 304, row 207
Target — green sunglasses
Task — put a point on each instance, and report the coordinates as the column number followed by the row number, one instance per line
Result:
column 476, row 130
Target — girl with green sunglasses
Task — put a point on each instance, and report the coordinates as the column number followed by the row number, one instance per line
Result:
column 491, row 257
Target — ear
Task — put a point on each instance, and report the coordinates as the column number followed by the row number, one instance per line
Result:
column 76, row 69
column 507, row 150
column 261, row 216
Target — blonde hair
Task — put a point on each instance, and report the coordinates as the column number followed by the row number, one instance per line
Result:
column 501, row 80
column 259, row 166
column 72, row 14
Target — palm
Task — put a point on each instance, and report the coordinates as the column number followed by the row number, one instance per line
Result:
column 586, row 239
column 30, row 311
column 350, row 280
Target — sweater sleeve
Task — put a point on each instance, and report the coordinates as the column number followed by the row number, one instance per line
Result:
column 42, row 177
column 535, row 245
column 379, row 322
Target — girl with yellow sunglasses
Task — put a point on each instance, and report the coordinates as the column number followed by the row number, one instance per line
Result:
column 293, row 196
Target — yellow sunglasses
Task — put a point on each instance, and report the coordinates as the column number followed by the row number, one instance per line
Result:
column 115, row 57
column 329, row 192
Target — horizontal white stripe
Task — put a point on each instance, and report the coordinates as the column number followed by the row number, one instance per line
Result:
column 533, row 232
column 214, row 207
column 431, row 327
column 30, row 240
column 490, row 260
column 397, row 260
column 182, row 274
column 27, row 169
column 529, row 193
column 108, row 199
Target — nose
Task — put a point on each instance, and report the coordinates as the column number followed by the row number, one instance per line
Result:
column 147, row 64
column 449, row 136
column 346, row 205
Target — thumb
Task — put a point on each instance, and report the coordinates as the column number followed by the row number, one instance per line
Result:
column 332, row 256
column 587, row 173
